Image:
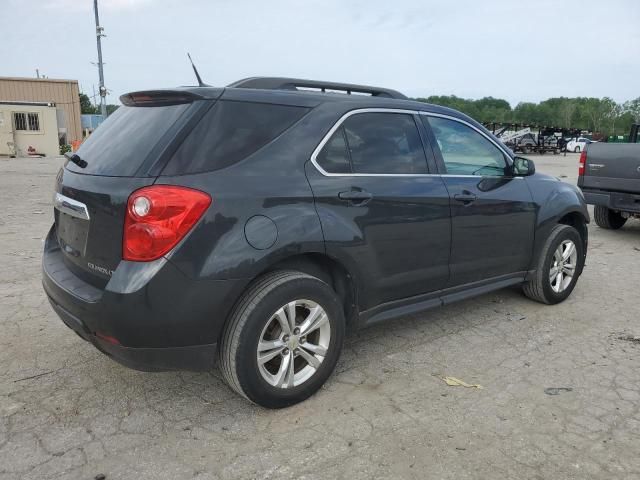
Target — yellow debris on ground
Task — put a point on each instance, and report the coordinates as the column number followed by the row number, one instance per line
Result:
column 456, row 382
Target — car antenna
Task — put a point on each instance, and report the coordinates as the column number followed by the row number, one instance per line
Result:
column 195, row 70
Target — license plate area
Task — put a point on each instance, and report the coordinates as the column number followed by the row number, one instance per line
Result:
column 72, row 225
column 72, row 234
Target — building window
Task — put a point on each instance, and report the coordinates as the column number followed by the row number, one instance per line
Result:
column 20, row 121
column 33, row 120
column 27, row 121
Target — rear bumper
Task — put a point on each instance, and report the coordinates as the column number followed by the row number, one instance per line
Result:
column 195, row 358
column 624, row 202
column 149, row 316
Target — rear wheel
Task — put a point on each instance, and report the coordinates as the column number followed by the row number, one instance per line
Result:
column 576, row 150
column 283, row 339
column 560, row 263
column 607, row 218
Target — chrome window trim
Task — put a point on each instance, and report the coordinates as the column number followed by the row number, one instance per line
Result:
column 70, row 206
column 342, row 119
column 339, row 123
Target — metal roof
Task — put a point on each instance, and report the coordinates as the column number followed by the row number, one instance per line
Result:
column 32, row 104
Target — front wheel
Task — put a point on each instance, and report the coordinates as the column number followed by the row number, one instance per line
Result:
column 559, row 265
column 576, row 150
column 283, row 339
column 607, row 218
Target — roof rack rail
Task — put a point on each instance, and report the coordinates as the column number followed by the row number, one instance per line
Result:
column 280, row 83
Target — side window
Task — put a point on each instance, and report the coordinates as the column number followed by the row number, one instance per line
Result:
column 464, row 150
column 334, row 157
column 384, row 143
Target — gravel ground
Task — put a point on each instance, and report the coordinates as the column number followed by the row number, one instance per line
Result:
column 560, row 396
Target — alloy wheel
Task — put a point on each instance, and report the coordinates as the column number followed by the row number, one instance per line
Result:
column 293, row 343
column 563, row 268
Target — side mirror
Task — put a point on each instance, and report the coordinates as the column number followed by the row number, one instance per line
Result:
column 523, row 167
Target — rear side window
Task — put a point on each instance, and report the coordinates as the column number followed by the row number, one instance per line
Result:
column 387, row 143
column 122, row 143
column 375, row 143
column 230, row 132
column 334, row 157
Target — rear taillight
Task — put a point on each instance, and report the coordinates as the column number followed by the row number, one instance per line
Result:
column 158, row 217
column 583, row 162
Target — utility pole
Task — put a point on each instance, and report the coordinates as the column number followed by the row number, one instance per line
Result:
column 102, row 88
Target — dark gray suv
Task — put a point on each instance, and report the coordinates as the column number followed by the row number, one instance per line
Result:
column 256, row 223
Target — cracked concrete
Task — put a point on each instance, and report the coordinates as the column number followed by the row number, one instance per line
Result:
column 68, row 412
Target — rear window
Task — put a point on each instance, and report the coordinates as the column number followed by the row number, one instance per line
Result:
column 229, row 133
column 122, row 143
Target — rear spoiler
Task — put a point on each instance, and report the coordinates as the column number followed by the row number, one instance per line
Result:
column 158, row 98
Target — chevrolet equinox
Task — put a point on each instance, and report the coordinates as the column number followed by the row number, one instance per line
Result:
column 255, row 223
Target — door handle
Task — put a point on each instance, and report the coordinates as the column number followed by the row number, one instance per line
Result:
column 465, row 197
column 356, row 197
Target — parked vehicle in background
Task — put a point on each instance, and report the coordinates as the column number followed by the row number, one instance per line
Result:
column 578, row 145
column 257, row 222
column 530, row 142
column 609, row 176
column 526, row 144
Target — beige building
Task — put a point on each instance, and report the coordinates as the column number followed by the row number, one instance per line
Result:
column 29, row 128
column 64, row 94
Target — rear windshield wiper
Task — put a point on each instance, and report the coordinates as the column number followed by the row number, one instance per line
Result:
column 75, row 158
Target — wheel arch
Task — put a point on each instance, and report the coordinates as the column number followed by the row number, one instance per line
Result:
column 558, row 203
column 574, row 216
column 318, row 264
column 329, row 270
column 578, row 221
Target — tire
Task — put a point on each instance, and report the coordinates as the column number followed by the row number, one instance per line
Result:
column 255, row 320
column 607, row 218
column 576, row 150
column 525, row 150
column 541, row 287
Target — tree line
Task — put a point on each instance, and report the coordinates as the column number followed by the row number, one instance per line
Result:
column 599, row 115
column 87, row 107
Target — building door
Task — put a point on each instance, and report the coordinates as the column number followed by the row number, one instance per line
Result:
column 7, row 142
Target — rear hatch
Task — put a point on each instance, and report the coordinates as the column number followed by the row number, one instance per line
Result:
column 612, row 167
column 124, row 154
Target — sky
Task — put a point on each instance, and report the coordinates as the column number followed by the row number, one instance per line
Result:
column 519, row 51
